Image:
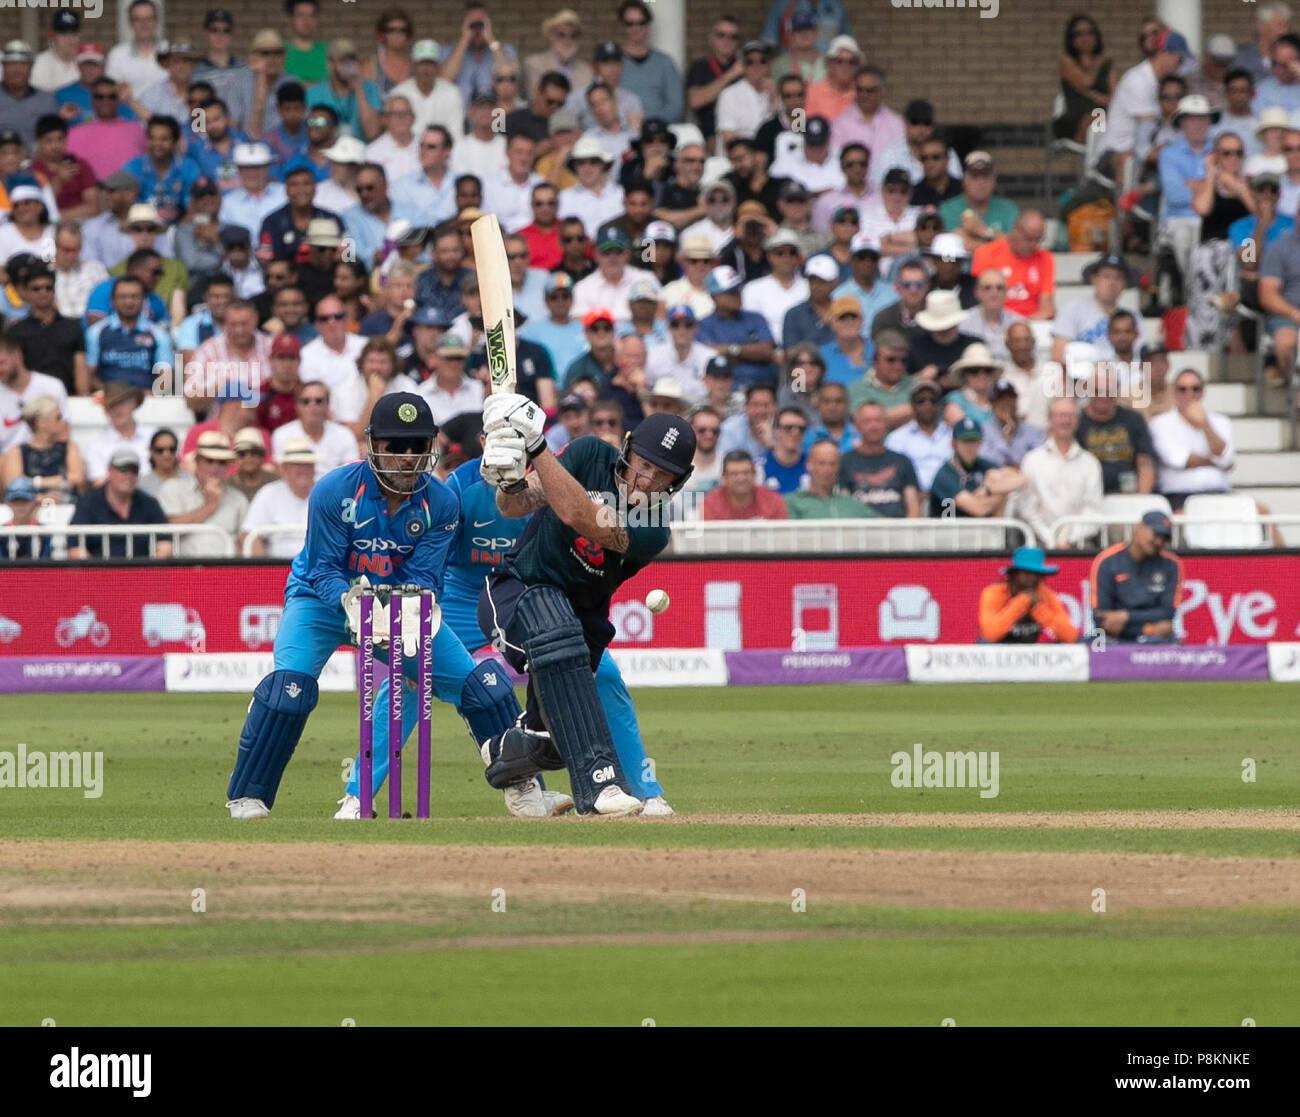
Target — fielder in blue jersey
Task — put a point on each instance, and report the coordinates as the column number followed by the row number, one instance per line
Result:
column 478, row 545
column 386, row 519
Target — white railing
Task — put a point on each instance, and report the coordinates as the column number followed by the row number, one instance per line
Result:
column 268, row 532
column 822, row 537
column 1234, row 532
column 65, row 536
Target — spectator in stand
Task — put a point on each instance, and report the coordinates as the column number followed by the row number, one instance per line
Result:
column 449, row 391
column 563, row 31
column 204, row 497
column 1007, row 439
column 1020, row 609
column 283, row 230
column 534, row 119
column 936, row 185
column 56, row 65
column 741, row 335
column 1087, row 79
column 1030, row 271
column 1136, row 587
column 74, row 278
column 1022, row 370
column 889, row 219
column 904, row 154
column 307, row 57
column 1281, row 89
column 117, row 502
column 820, row 500
column 1061, row 479
column 1208, row 79
column 17, row 386
column 977, row 213
column 834, row 94
column 575, row 250
column 1279, row 297
column 335, row 444
column 543, row 234
column 607, row 422
column 508, row 192
column 597, row 364
column 911, row 284
column 681, row 357
column 848, row 356
column 280, row 395
column 48, row 458
column 1238, row 115
column 136, row 62
column 706, row 78
column 126, row 346
column 169, row 98
column 213, row 150
column 924, row 439
column 1117, row 437
column 845, row 224
column 164, row 461
column 941, row 344
column 650, row 74
column 1135, row 105
column 282, row 502
column 750, row 431
column 557, row 331
column 868, row 121
column 719, row 221
column 76, row 99
column 743, row 247
column 969, row 485
column 1194, row 447
column 815, row 166
column 428, row 95
column 50, row 341
column 744, row 105
column 739, row 496
column 75, row 190
column 256, row 197
column 854, row 194
column 830, row 422
column 830, row 17
column 795, row 204
column 643, row 301
column 596, row 199
column 989, row 320
column 947, row 256
column 356, row 102
column 803, row 376
column 482, row 151
column 881, row 479
column 802, row 55
column 1271, row 22
column 106, row 142
column 573, row 421
column 332, row 358
column 720, row 393
column 1088, row 320
column 784, row 466
column 21, row 103
column 979, row 372
column 607, row 127
column 864, row 284
column 790, row 92
column 1182, row 166
column 776, row 294
column 810, row 321
column 608, row 286
column 886, row 382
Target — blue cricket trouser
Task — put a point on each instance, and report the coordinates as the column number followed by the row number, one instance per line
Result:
column 461, row 616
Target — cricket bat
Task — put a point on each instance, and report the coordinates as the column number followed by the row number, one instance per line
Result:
column 498, row 302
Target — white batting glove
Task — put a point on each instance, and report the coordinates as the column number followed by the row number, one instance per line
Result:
column 505, row 459
column 511, row 411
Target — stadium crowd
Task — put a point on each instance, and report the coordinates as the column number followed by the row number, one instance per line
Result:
column 840, row 304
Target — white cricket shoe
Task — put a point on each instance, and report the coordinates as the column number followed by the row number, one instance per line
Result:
column 526, row 799
column 656, row 807
column 349, row 807
column 614, row 802
column 248, row 808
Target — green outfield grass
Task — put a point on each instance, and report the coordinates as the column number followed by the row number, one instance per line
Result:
column 751, row 751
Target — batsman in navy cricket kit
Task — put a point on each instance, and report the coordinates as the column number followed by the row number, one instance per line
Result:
column 601, row 516
column 385, row 519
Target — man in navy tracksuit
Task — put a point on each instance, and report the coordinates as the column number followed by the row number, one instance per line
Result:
column 1136, row 587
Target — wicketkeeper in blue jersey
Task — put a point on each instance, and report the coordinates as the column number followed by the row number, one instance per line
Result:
column 386, row 519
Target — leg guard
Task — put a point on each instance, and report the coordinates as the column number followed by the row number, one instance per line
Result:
column 280, row 707
column 487, row 701
column 517, row 754
column 559, row 667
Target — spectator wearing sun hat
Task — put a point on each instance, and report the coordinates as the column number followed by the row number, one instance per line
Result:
column 1019, row 609
column 283, row 503
column 595, row 198
column 848, row 355
column 205, row 497
column 834, row 93
column 741, row 335
column 256, row 197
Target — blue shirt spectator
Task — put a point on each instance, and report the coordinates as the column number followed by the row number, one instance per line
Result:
column 744, row 328
column 841, row 370
column 1179, row 162
column 1243, row 229
column 100, row 304
column 168, row 192
column 212, row 163
column 241, row 208
column 118, row 352
column 565, row 343
column 367, row 232
column 872, row 301
column 417, row 200
column 829, row 15
column 77, row 94
column 345, row 107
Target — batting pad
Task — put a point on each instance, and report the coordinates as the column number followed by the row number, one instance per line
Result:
column 487, row 701
column 559, row 666
column 280, row 707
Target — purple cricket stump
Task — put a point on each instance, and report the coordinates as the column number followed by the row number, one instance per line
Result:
column 424, row 689
column 395, row 698
column 366, row 688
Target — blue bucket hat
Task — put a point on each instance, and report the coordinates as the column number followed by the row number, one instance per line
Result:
column 1030, row 560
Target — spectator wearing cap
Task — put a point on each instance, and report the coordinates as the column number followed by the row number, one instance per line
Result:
column 356, row 101
column 218, row 62
column 556, row 330
column 905, row 154
column 279, row 401
column 238, row 263
column 168, row 97
column 28, row 231
column 649, row 73
column 978, row 372
column 626, row 111
column 608, row 286
column 802, row 55
column 809, row 321
column 432, row 98
column 46, row 458
column 1182, row 166
column 336, row 194
column 597, row 364
column 427, row 325
column 924, row 438
column 706, row 78
column 890, row 219
column 106, row 141
column 790, row 93
column 741, row 335
column 256, row 197
column 333, row 442
column 1194, row 447
column 76, row 99
column 881, row 479
column 449, row 391
column 829, row 17
column 679, row 200
column 720, row 392
column 967, row 484
column 720, row 217
column 681, row 357
column 739, row 496
column 595, row 199
column 989, row 320
column 795, row 205
column 282, row 503
column 834, row 94
column 697, row 260
column 848, row 355
column 1087, row 320
column 205, row 497
column 814, row 165
column 73, row 183
column 886, row 382
column 574, row 422
column 744, row 105
column 56, row 65
column 1061, row 477
column 853, row 196
column 135, row 61
column 165, row 176
column 776, row 294
column 864, row 284
column 508, row 192
column 650, row 158
column 1208, row 78
column 49, row 340
column 21, row 103
column 1135, row 588
column 255, row 95
column 643, row 301
column 977, row 213
column 947, row 257
column 125, row 345
column 1020, row 609
column 1007, row 438
column 941, row 342
column 116, row 502
column 1030, row 271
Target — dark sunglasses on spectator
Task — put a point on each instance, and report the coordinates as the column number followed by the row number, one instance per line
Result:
column 330, row 317
column 600, row 328
column 311, row 399
column 636, row 23
column 164, row 449
column 604, row 422
column 516, row 255
column 913, row 284
column 579, row 238
column 505, row 77
column 1291, row 147
column 709, row 429
column 800, row 427
column 559, row 294
column 681, row 325
column 105, row 96
column 250, row 453
column 1234, row 151
column 127, row 468
column 40, row 287
column 1195, row 389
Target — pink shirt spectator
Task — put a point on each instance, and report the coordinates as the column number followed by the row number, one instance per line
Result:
column 822, row 100
column 106, row 144
column 825, row 206
column 767, row 505
column 883, row 129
